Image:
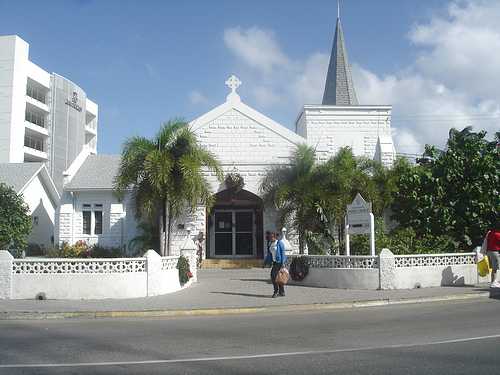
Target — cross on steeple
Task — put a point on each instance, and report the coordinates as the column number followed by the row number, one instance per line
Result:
column 233, row 83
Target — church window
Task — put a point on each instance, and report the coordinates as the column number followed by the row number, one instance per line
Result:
column 86, row 221
column 92, row 219
column 98, row 219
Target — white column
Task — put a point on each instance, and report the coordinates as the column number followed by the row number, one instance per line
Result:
column 153, row 269
column 387, row 270
column 372, row 235
column 346, row 232
column 6, row 260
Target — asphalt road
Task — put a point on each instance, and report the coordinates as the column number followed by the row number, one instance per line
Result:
column 438, row 338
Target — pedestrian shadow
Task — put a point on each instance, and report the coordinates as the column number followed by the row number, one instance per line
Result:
column 494, row 293
column 260, row 280
column 244, row 294
column 448, row 278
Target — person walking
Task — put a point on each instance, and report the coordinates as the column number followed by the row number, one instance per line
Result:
column 277, row 257
column 492, row 242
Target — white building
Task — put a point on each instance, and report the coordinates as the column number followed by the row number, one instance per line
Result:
column 32, row 181
column 244, row 141
column 89, row 210
column 43, row 117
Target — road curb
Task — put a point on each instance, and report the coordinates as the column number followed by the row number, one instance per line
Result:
column 39, row 315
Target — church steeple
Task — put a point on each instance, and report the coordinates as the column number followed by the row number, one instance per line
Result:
column 339, row 89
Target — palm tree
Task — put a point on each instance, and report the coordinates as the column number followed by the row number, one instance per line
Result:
column 290, row 189
column 166, row 175
column 312, row 197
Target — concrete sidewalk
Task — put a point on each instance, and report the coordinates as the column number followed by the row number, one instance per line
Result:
column 230, row 291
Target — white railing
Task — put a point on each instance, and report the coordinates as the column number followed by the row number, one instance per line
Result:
column 169, row 263
column 91, row 278
column 73, row 266
column 339, row 261
column 430, row 260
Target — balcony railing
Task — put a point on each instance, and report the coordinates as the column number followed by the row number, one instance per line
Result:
column 91, row 125
column 31, row 142
column 36, row 94
column 35, row 118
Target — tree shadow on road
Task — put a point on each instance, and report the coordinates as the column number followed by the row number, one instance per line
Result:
column 244, row 294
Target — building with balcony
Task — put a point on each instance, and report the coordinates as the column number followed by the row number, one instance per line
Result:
column 44, row 117
column 46, row 121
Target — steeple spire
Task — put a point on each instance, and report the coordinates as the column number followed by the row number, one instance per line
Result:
column 339, row 89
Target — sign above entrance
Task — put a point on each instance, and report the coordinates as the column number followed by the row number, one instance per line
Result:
column 358, row 216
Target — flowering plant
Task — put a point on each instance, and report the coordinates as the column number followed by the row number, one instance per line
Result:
column 184, row 270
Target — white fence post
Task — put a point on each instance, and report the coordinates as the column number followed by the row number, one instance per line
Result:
column 188, row 250
column 347, row 239
column 372, row 235
column 153, row 269
column 5, row 274
column 387, row 269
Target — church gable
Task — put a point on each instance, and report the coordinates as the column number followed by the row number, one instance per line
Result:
column 236, row 138
column 238, row 134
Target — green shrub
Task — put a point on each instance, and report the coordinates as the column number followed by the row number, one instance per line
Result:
column 83, row 250
column 299, row 268
column 34, row 250
column 404, row 241
column 52, row 252
column 17, row 253
column 98, row 251
column 184, row 270
column 15, row 221
column 79, row 250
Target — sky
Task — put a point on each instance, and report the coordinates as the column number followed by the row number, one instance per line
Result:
column 145, row 62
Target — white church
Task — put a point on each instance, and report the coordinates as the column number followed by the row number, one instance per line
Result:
column 246, row 142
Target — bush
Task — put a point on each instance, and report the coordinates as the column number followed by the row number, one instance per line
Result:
column 83, row 250
column 404, row 241
column 97, row 251
column 79, row 250
column 15, row 222
column 184, row 270
column 34, row 250
column 17, row 253
column 299, row 268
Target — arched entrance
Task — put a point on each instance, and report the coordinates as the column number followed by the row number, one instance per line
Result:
column 235, row 226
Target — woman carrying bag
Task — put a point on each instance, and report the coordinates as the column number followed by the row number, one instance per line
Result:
column 277, row 257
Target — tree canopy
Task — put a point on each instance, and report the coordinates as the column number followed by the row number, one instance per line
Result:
column 165, row 174
column 453, row 192
column 15, row 221
column 311, row 197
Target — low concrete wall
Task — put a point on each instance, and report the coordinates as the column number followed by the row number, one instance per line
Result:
column 346, row 278
column 90, row 278
column 79, row 286
column 387, row 271
column 423, row 277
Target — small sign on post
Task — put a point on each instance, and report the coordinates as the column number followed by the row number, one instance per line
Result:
column 360, row 220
